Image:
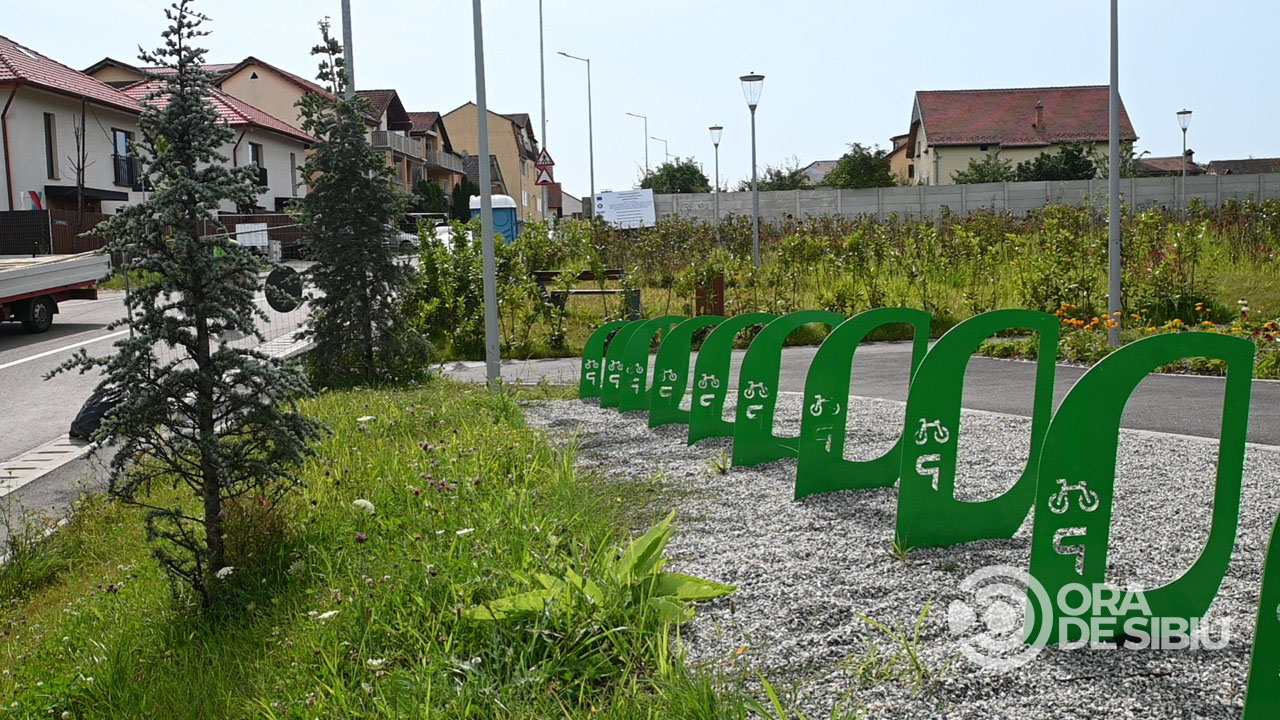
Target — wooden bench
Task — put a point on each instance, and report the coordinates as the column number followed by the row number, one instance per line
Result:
column 560, row 297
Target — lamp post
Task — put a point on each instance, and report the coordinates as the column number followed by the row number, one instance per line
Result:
column 492, row 356
column 752, row 85
column 646, row 140
column 664, row 146
column 1184, row 121
column 715, row 140
column 1113, row 184
column 542, row 80
column 591, row 141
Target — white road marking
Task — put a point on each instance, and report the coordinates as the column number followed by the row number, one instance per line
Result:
column 62, row 349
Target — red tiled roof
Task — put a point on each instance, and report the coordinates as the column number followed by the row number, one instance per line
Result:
column 1165, row 165
column 423, row 121
column 379, row 99
column 235, row 112
column 22, row 64
column 1249, row 166
column 214, row 69
column 1008, row 117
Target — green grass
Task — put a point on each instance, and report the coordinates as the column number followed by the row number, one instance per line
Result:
column 333, row 612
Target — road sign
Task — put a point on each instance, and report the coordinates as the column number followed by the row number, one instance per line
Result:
column 544, row 159
column 544, row 176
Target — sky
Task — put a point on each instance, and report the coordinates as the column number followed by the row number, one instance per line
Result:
column 835, row 72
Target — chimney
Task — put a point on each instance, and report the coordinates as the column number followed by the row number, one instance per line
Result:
column 1040, row 115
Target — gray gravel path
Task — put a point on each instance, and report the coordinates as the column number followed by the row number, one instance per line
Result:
column 806, row 571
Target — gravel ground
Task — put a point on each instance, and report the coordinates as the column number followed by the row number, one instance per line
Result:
column 810, row 572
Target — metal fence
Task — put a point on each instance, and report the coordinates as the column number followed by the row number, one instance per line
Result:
column 1017, row 198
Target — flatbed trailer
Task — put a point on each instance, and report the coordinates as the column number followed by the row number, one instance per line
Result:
column 32, row 287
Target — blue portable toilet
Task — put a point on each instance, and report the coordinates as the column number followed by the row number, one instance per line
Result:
column 505, row 219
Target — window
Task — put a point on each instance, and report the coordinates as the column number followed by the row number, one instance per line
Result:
column 537, row 203
column 911, row 171
column 523, row 172
column 982, row 148
column 255, row 154
column 293, row 173
column 524, row 197
column 122, row 157
column 51, row 145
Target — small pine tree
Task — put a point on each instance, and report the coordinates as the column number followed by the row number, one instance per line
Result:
column 195, row 412
column 349, row 211
column 460, row 200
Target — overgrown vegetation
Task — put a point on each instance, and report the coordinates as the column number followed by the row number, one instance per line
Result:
column 211, row 424
column 681, row 175
column 953, row 267
column 351, row 600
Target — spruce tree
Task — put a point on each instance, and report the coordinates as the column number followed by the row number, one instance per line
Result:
column 349, row 214
column 195, row 412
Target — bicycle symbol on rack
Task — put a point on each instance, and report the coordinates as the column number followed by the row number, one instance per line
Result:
column 1060, row 501
column 708, row 381
column 819, row 403
column 668, row 375
column 755, row 389
column 940, row 433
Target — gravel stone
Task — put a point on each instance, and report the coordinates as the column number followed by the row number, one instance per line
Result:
column 810, row 573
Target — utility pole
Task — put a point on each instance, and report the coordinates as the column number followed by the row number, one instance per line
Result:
column 1113, row 185
column 347, row 55
column 492, row 358
column 542, row 72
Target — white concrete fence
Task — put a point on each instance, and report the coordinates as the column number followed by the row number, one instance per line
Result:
column 1017, row 198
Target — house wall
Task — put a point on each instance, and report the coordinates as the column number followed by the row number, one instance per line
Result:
column 109, row 74
column 27, row 149
column 275, row 155
column 1017, row 198
column 269, row 92
column 948, row 159
column 464, row 135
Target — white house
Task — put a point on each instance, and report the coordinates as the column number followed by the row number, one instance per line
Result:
column 277, row 148
column 43, row 106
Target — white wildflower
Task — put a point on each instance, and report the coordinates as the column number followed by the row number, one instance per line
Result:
column 375, row 663
column 224, row 573
column 466, row 531
column 322, row 616
column 365, row 505
column 366, row 418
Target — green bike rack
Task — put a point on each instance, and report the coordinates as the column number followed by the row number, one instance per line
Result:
column 753, row 439
column 633, row 394
column 611, row 376
column 591, row 376
column 711, row 377
column 671, row 371
column 1076, row 487
column 820, row 465
column 929, row 515
column 1262, row 694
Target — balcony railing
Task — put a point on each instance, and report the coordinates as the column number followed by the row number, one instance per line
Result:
column 387, row 140
column 441, row 159
column 125, row 170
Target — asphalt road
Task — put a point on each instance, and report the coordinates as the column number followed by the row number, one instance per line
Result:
column 34, row 410
column 1184, row 404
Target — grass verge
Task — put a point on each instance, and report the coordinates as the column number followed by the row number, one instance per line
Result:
column 334, row 611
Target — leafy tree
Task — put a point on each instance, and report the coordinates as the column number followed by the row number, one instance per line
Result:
column 428, row 197
column 677, row 176
column 1100, row 155
column 861, row 167
column 1071, row 162
column 460, row 200
column 355, row 317
column 786, row 176
column 194, row 411
column 989, row 169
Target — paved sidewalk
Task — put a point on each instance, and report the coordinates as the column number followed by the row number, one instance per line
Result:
column 1183, row 404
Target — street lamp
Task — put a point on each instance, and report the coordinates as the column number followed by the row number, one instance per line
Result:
column 1184, row 121
column 664, row 146
column 646, row 140
column 752, row 85
column 715, row 140
column 591, row 147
